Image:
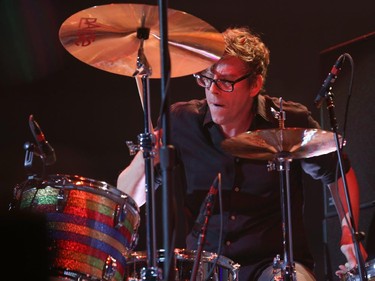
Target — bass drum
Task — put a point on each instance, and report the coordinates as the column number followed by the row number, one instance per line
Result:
column 222, row 268
column 92, row 226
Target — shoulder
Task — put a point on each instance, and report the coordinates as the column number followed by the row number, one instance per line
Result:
column 297, row 114
column 186, row 112
column 288, row 105
column 188, row 108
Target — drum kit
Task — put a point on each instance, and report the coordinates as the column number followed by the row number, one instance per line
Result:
column 93, row 225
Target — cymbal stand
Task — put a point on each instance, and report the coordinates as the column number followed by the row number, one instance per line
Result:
column 146, row 142
column 281, row 163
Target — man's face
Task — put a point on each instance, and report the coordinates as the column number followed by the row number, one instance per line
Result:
column 228, row 108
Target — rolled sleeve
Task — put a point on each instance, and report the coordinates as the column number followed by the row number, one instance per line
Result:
column 325, row 167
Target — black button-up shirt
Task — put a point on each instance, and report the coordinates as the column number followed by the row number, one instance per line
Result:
column 250, row 193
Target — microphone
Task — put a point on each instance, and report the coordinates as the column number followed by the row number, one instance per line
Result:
column 46, row 152
column 206, row 207
column 332, row 75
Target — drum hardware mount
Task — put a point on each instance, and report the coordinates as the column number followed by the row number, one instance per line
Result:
column 61, row 201
column 146, row 143
column 278, row 267
column 31, row 150
column 42, row 149
column 110, row 268
column 29, row 157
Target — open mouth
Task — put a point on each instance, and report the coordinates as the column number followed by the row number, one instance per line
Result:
column 217, row 104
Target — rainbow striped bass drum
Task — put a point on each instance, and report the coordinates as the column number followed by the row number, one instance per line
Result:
column 92, row 225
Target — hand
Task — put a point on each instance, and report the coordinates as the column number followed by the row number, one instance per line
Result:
column 158, row 144
column 343, row 271
column 349, row 251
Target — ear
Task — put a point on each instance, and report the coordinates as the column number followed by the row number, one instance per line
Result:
column 257, row 85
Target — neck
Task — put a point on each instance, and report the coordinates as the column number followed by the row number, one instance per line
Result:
column 239, row 127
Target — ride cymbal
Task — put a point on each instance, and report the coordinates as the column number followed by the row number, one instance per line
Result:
column 109, row 37
column 268, row 144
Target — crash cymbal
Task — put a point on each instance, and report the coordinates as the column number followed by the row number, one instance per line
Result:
column 109, row 37
column 295, row 143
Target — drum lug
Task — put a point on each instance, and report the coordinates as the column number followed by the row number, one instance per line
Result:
column 61, row 201
column 120, row 215
column 276, row 264
column 134, row 241
column 109, row 269
column 17, row 194
column 151, row 273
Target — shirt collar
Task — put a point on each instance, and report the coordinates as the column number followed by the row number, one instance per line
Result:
column 260, row 107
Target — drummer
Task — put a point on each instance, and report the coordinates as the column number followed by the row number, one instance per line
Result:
column 236, row 102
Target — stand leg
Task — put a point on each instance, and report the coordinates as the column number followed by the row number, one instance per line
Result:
column 147, row 146
column 287, row 269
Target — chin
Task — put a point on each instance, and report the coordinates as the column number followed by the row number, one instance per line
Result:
column 218, row 120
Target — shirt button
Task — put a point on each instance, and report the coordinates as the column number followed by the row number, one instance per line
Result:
column 237, row 160
column 236, row 189
column 227, row 243
column 232, row 217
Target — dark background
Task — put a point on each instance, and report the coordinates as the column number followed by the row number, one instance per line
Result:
column 88, row 114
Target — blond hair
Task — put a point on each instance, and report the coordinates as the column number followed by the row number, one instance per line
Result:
column 242, row 43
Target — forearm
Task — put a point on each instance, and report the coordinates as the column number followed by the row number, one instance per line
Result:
column 132, row 179
column 340, row 199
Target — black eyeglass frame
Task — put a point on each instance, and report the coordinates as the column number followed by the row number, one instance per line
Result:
column 232, row 83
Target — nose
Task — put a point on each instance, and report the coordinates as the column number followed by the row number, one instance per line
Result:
column 213, row 87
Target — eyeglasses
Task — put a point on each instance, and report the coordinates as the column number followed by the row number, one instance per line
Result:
column 222, row 84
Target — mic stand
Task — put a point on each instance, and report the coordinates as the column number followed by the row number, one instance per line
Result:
column 167, row 151
column 146, row 145
column 201, row 241
column 356, row 236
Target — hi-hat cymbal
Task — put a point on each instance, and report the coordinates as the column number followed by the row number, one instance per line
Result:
column 295, row 143
column 108, row 37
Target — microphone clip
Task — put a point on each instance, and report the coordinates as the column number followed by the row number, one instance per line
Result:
column 328, row 82
column 44, row 150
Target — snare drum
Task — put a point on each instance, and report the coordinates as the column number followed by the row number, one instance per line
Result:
column 222, row 268
column 92, row 225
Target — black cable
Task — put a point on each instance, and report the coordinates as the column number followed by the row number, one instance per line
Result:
column 346, row 55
